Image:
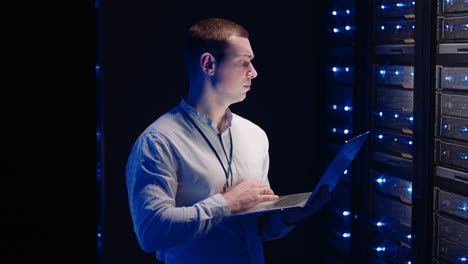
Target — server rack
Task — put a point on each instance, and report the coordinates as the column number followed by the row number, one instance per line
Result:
column 408, row 83
column 450, row 200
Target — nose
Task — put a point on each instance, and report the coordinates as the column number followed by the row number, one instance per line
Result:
column 252, row 73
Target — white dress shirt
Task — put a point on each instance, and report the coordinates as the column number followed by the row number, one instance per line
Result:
column 175, row 181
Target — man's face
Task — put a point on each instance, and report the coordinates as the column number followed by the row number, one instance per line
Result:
column 234, row 73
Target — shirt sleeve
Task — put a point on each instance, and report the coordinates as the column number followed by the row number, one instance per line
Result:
column 271, row 226
column 152, row 186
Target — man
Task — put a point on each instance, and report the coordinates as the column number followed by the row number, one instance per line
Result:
column 198, row 163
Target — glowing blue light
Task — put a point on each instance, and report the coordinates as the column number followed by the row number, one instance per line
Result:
column 347, row 27
column 396, row 115
column 410, row 142
column 336, row 30
column 395, row 139
column 346, row 69
column 346, row 213
column 99, row 235
column 463, row 156
column 381, row 180
column 348, row 12
column 411, row 118
column 398, row 26
column 413, row 2
column 448, row 78
column 465, row 79
column 334, row 107
column 412, row 74
column 399, row 4
column 98, row 67
column 334, row 13
column 409, row 189
column 463, row 259
column 409, row 262
column 334, row 69
column 445, row 126
column 382, row 27
column 380, row 114
column 334, row 130
column 412, row 26
column 382, row 72
column 408, row 236
column 345, row 172
column 464, row 129
column 382, row 7
column 379, row 224
column 397, row 73
column 447, row 26
column 346, row 131
column 464, row 207
column 347, row 108
column 346, row 235
column 380, row 249
column 380, row 136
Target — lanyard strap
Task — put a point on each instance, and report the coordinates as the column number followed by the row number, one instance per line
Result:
column 229, row 170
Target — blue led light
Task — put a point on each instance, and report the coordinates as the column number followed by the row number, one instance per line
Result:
column 445, row 126
column 400, row 4
column 334, row 12
column 379, row 224
column 346, row 213
column 98, row 67
column 346, row 108
column 464, row 129
column 381, row 180
column 408, row 236
column 99, row 235
column 463, row 156
column 347, row 27
column 336, row 30
column 348, row 12
column 382, row 71
column 412, row 74
column 463, row 259
column 345, row 172
column 410, row 142
column 346, row 69
column 380, row 249
column 346, row 131
column 465, row 79
column 414, row 3
column 395, row 139
column 334, row 130
column 409, row 189
column 334, row 69
column 396, row 115
column 397, row 73
column 411, row 118
column 382, row 7
column 380, row 136
column 380, row 114
column 398, row 26
column 334, row 107
column 409, row 262
column 448, row 78
column 382, row 27
column 346, row 235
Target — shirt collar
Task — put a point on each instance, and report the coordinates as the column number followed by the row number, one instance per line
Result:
column 195, row 114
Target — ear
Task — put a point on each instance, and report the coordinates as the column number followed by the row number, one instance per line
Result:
column 208, row 63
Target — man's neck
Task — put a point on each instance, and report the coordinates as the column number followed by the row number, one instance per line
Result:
column 209, row 106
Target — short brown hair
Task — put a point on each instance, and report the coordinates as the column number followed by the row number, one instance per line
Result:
column 209, row 35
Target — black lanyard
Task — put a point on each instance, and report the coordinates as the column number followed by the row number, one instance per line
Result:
column 229, row 170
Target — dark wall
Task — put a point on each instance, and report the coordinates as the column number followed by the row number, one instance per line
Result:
column 144, row 78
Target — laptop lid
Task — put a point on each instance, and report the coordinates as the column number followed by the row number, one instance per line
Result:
column 331, row 177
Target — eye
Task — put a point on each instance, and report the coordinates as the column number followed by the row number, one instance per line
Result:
column 244, row 63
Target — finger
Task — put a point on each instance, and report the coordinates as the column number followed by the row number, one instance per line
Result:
column 266, row 198
column 266, row 191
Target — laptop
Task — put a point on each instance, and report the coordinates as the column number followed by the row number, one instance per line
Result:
column 331, row 177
